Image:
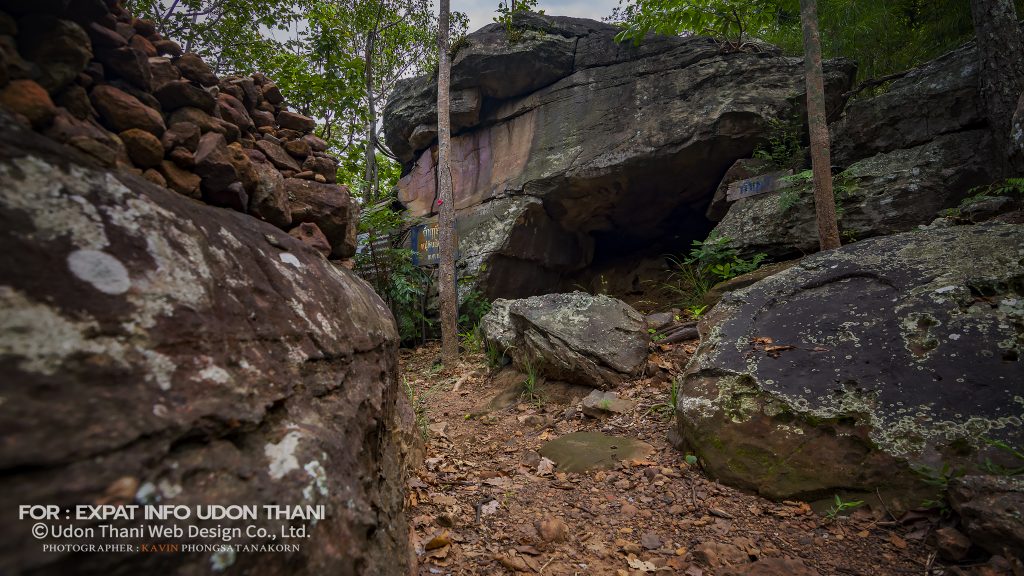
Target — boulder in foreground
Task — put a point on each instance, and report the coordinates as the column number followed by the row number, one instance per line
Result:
column 857, row 364
column 578, row 338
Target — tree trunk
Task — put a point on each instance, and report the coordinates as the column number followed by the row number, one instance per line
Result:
column 821, row 157
column 371, row 127
column 1001, row 77
column 446, row 214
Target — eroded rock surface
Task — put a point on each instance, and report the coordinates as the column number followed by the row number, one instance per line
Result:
column 578, row 136
column 883, row 194
column 849, row 367
column 578, row 338
column 157, row 350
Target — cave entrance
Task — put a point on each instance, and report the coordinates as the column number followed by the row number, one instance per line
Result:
column 639, row 266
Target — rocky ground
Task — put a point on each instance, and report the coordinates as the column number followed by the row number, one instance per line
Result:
column 486, row 502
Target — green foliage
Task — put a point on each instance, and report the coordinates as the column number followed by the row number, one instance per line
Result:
column 667, row 409
column 730, row 20
column 716, row 255
column 495, row 356
column 696, row 311
column 883, row 37
column 1017, row 453
column 688, row 283
column 419, row 407
column 785, row 146
column 390, row 270
column 709, row 262
column 840, row 506
column 474, row 306
column 1011, row 187
column 471, row 341
column 530, row 392
column 507, row 12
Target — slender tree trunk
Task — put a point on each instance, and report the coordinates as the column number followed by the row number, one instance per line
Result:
column 371, row 126
column 446, row 215
column 1001, row 56
column 821, row 157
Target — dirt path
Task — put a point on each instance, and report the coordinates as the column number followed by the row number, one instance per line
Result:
column 484, row 502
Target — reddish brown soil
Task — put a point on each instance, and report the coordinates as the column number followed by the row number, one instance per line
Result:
column 479, row 504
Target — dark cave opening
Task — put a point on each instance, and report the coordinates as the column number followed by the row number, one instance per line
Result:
column 637, row 266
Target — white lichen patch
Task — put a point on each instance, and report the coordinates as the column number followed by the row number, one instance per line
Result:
column 41, row 338
column 290, row 259
column 282, row 455
column 215, row 374
column 316, row 472
column 147, row 493
column 161, row 368
column 103, row 271
column 169, row 490
column 55, row 200
column 222, row 559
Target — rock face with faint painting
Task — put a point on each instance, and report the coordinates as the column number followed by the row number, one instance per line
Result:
column 855, row 366
column 567, row 145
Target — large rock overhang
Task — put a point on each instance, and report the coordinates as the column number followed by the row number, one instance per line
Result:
column 620, row 140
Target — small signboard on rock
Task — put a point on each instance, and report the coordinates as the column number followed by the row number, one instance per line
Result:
column 757, row 185
column 425, row 242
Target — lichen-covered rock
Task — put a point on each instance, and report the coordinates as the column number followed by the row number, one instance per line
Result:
column 577, row 338
column 846, row 369
column 883, row 194
column 158, row 350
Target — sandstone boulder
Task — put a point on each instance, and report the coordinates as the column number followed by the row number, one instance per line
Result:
column 330, row 207
column 213, row 163
column 991, row 508
column 297, row 122
column 122, row 111
column 143, row 148
column 193, row 68
column 883, row 194
column 310, row 235
column 618, row 142
column 60, row 48
column 850, row 367
column 29, row 99
column 269, row 198
column 186, row 359
column 577, row 338
column 176, row 94
column 898, row 118
column 277, row 156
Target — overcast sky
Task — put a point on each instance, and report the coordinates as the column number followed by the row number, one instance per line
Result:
column 482, row 12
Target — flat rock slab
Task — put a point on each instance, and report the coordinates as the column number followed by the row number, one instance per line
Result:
column 599, row 404
column 583, row 451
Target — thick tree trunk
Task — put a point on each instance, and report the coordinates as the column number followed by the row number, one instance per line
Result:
column 446, row 215
column 821, row 157
column 1001, row 59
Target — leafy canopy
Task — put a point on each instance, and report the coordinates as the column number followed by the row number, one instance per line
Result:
column 884, row 37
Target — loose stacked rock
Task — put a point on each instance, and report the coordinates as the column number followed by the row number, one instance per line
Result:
column 92, row 76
